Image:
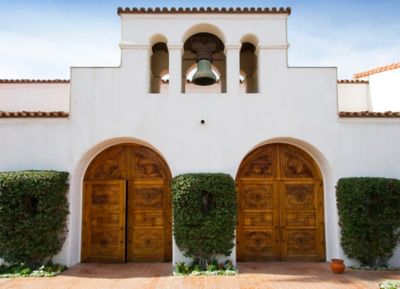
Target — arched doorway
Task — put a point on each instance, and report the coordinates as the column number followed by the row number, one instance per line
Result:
column 127, row 206
column 280, row 206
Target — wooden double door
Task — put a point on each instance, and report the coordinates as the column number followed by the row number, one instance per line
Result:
column 280, row 206
column 127, row 207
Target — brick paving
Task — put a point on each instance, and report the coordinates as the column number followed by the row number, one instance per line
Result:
column 269, row 275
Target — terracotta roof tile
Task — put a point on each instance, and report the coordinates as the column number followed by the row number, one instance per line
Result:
column 33, row 114
column 201, row 10
column 34, row 81
column 352, row 81
column 369, row 114
column 377, row 70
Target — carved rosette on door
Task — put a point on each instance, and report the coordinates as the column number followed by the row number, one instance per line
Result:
column 280, row 206
column 127, row 207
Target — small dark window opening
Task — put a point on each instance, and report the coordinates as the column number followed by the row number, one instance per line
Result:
column 31, row 205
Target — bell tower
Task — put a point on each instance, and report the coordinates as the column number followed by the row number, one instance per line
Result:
column 203, row 50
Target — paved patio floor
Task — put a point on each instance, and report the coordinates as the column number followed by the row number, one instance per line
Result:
column 279, row 275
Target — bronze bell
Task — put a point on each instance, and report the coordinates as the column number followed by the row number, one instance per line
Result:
column 204, row 75
column 204, row 45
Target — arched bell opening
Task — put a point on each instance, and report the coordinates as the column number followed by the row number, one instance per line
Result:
column 280, row 205
column 127, row 206
column 206, row 52
column 159, row 67
column 249, row 67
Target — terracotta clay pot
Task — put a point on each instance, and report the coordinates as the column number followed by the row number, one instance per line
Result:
column 337, row 266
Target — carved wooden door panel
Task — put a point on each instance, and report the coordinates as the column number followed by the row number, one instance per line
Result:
column 104, row 221
column 140, row 175
column 301, row 206
column 258, row 220
column 301, row 221
column 147, row 228
column 280, row 206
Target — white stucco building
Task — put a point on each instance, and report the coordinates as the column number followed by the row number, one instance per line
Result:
column 287, row 134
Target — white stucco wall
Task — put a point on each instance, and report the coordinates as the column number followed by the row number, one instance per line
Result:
column 142, row 28
column 385, row 90
column 353, row 97
column 381, row 94
column 34, row 97
column 112, row 105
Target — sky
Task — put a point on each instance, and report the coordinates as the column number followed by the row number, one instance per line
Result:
column 41, row 39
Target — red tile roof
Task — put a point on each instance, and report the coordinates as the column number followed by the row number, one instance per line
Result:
column 35, row 114
column 202, row 10
column 377, row 70
column 369, row 114
column 34, row 80
column 352, row 81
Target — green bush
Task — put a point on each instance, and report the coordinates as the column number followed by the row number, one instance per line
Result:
column 182, row 268
column 17, row 271
column 369, row 210
column 33, row 211
column 204, row 208
column 213, row 268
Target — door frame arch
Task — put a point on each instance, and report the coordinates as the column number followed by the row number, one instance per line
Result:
column 318, row 177
column 95, row 153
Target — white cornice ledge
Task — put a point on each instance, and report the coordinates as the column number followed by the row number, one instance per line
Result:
column 233, row 45
column 273, row 46
column 175, row 45
column 131, row 45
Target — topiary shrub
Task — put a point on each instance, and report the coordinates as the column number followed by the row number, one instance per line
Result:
column 369, row 210
column 33, row 211
column 204, row 209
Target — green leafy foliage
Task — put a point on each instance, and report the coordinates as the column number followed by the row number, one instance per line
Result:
column 213, row 268
column 228, row 265
column 33, row 212
column 369, row 210
column 204, row 208
column 390, row 284
column 22, row 270
column 182, row 268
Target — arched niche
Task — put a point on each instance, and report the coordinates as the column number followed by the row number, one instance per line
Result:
column 157, row 38
column 204, row 28
column 159, row 66
column 189, row 60
column 249, row 63
column 250, row 38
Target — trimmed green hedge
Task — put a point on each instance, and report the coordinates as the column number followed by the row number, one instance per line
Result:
column 369, row 216
column 204, row 208
column 33, row 212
